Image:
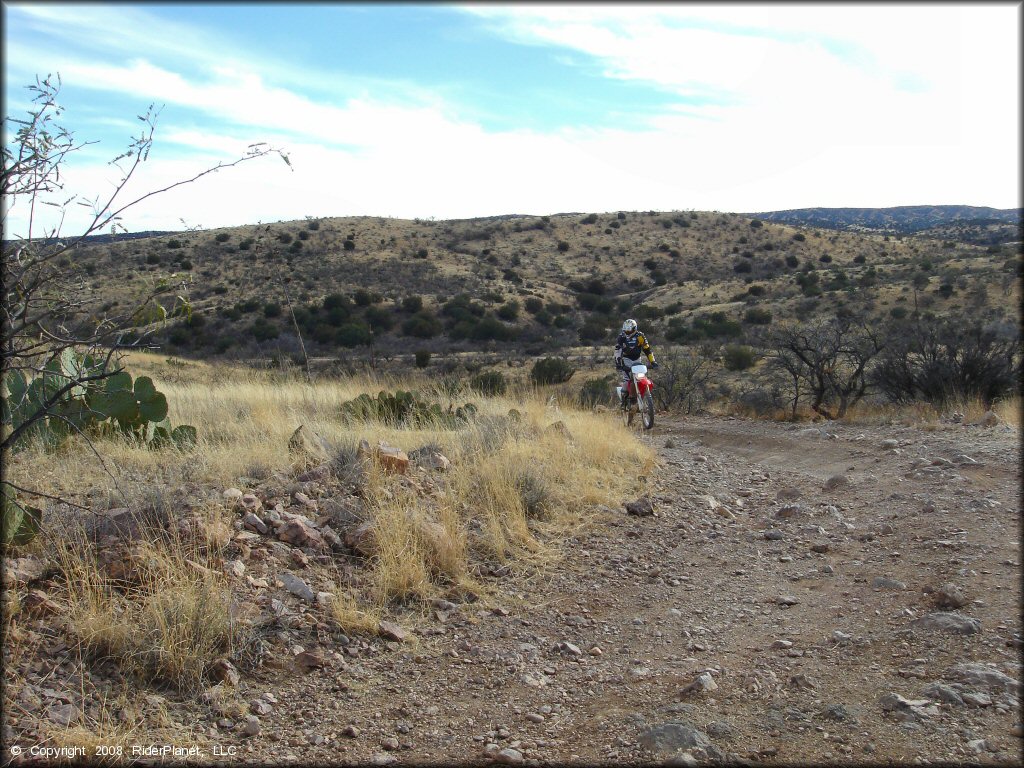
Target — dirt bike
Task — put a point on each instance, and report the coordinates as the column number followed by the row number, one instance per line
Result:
column 638, row 397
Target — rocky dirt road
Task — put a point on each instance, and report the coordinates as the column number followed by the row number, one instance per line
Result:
column 784, row 594
column 793, row 594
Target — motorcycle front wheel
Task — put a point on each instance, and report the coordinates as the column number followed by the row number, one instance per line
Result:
column 647, row 410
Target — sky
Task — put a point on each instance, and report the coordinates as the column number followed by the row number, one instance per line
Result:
column 448, row 111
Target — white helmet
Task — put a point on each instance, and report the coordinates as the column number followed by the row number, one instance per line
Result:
column 629, row 327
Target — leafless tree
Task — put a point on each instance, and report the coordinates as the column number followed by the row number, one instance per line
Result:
column 831, row 358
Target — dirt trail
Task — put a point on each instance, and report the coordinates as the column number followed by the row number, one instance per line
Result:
column 798, row 602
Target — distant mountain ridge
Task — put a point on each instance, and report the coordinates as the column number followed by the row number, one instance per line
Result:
column 907, row 219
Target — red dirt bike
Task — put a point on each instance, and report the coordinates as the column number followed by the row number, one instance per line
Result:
column 638, row 397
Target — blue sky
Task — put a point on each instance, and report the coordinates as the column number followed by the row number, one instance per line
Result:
column 455, row 111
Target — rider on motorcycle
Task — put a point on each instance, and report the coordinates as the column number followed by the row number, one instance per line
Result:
column 628, row 348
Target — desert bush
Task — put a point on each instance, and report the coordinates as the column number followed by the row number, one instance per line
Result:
column 349, row 245
column 489, row 383
column 682, row 379
column 422, row 325
column 551, row 370
column 261, row 330
column 951, row 359
column 284, row 237
column 380, row 319
column 563, row 246
column 412, row 304
column 533, row 305
column 509, row 310
column 738, row 357
column 598, row 392
column 757, row 316
column 222, row 237
column 422, row 358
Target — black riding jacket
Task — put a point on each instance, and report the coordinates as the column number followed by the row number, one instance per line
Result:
column 633, row 346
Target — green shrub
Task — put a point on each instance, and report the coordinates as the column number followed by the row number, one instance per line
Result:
column 271, row 309
column 489, row 383
column 756, row 224
column 174, row 243
column 222, row 237
column 412, row 304
column 589, row 219
column 422, row 325
column 284, row 237
column 597, row 392
column 533, row 305
column 349, row 245
column 509, row 310
column 362, row 297
column 353, row 335
column 792, row 261
column 379, row 319
column 261, row 330
column 153, row 258
column 551, row 370
column 742, row 266
column 799, row 237
column 313, row 225
column 757, row 316
column 563, row 246
column 738, row 357
column 422, row 358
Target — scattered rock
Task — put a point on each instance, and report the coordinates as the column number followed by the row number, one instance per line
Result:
column 252, row 726
column 673, row 737
column 788, row 494
column 789, row 511
column 836, row 481
column 976, row 673
column 430, row 458
column 786, row 600
column 63, row 714
column 225, row 671
column 297, row 586
column 21, row 571
column 943, row 693
column 300, row 533
column 949, row 597
column 234, row 568
column 306, row 449
column 642, row 507
column 948, row 622
column 883, row 582
column 510, row 756
column 701, row 684
column 908, row 709
column 392, row 631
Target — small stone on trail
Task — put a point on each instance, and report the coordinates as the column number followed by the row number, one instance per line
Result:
column 252, row 726
column 642, row 507
column 392, row 631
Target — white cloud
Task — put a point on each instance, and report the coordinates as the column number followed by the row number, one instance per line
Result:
column 816, row 105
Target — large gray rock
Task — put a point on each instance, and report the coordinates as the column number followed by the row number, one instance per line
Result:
column 975, row 673
column 307, row 449
column 948, row 622
column 672, row 737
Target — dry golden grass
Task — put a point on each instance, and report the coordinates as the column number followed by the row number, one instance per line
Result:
column 515, row 484
column 165, row 613
column 352, row 617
